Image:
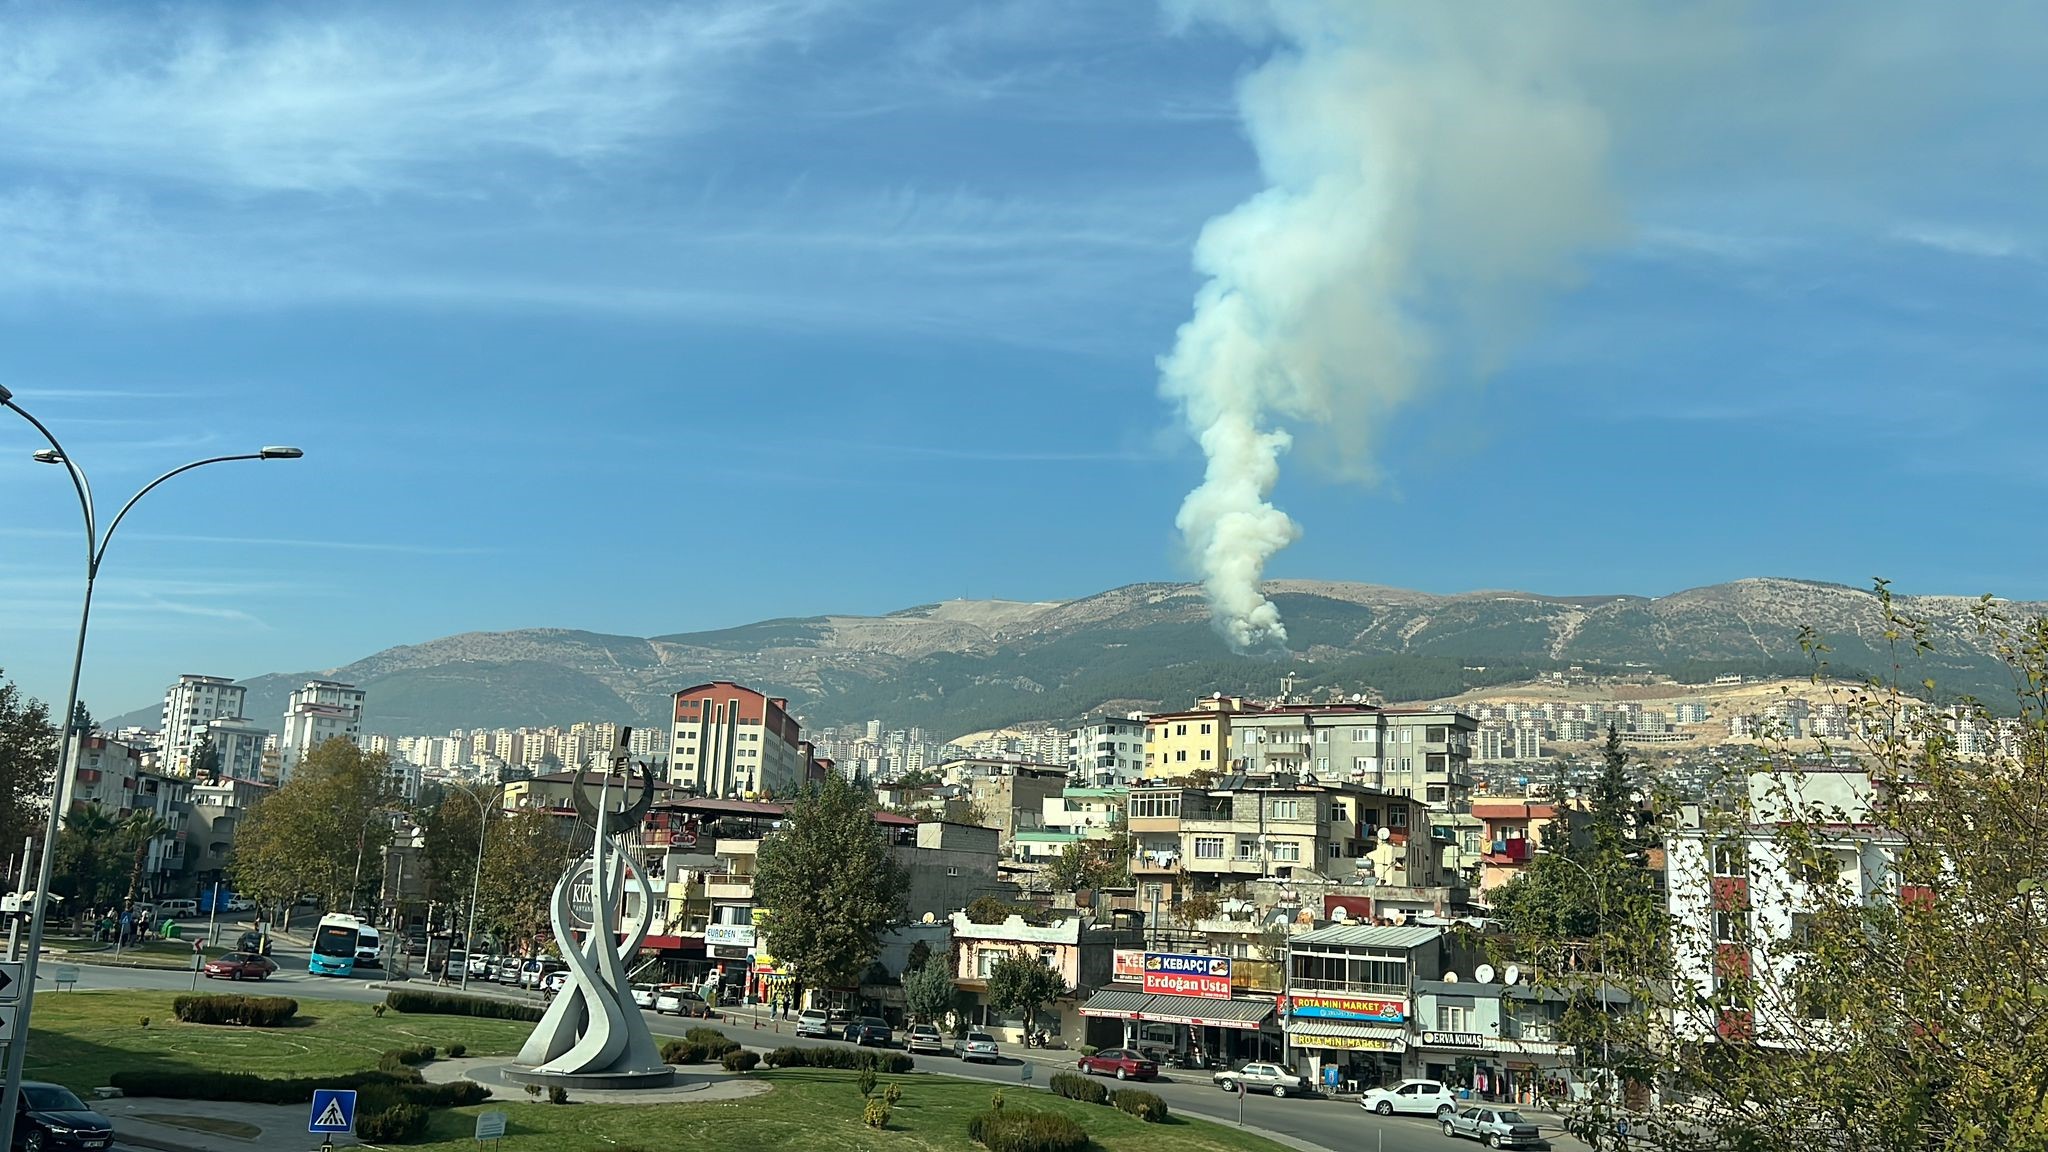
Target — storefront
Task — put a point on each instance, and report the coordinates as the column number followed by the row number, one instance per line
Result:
column 1513, row 1071
column 1217, row 1030
column 1364, row 1055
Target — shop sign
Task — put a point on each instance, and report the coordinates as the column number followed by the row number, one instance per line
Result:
column 728, row 952
column 1127, row 964
column 1346, row 1043
column 1178, row 974
column 730, row 935
column 1346, row 1008
column 1453, row 1040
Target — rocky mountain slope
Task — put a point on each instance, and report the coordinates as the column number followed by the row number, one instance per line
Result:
column 963, row 665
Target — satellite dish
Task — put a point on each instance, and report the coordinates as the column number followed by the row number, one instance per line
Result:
column 1399, row 916
column 1513, row 975
column 929, row 918
column 1339, row 915
column 1483, row 974
column 1385, row 833
column 1450, row 977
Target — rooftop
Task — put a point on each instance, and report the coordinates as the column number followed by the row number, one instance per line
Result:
column 1370, row 936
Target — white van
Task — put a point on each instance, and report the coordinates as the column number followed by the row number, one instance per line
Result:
column 369, row 948
column 177, row 910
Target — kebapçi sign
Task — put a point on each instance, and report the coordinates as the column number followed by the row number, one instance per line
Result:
column 1178, row 974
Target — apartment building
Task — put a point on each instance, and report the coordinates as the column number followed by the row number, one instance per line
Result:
column 1011, row 796
column 1350, row 996
column 319, row 711
column 1177, row 743
column 189, row 706
column 1105, row 750
column 1425, row 753
column 237, row 747
column 731, row 741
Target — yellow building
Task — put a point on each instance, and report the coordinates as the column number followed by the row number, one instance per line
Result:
column 1177, row 743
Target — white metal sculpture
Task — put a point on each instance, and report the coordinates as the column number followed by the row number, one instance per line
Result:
column 593, row 1029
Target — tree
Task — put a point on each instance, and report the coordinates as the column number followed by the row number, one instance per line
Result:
column 451, row 841
column 829, row 884
column 137, row 831
column 524, row 856
column 28, row 760
column 323, row 831
column 205, row 759
column 971, row 812
column 81, row 718
column 1865, row 963
column 90, row 863
column 1020, row 984
column 1614, row 803
column 928, row 990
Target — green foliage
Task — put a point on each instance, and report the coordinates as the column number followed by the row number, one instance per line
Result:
column 1020, row 983
column 398, row 1124
column 451, row 1004
column 830, row 883
column 457, row 1051
column 741, row 1060
column 405, row 1057
column 557, row 1094
column 242, row 1011
column 451, row 842
column 524, row 854
column 1016, row 1131
column 701, row 1046
column 865, row 1082
column 1075, row 1086
column 844, row 1059
column 875, row 1115
column 92, row 865
column 892, row 1095
column 244, row 1088
column 308, row 835
column 28, row 759
column 928, row 991
column 1146, row 1106
column 1092, row 864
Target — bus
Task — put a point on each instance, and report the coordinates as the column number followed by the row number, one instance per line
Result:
column 344, row 943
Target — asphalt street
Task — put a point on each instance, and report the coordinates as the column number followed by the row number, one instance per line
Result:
column 1336, row 1124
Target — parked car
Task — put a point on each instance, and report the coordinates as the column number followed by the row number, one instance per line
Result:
column 977, row 1046
column 924, row 1038
column 1496, row 1127
column 643, row 995
column 870, row 1032
column 416, row 942
column 1121, row 1063
column 506, row 970
column 257, row 942
column 534, row 971
column 176, row 910
column 1428, row 1097
column 1261, row 1077
column 840, row 1016
column 814, row 1022
column 480, row 965
column 239, row 966
column 51, row 1117
column 681, row 1000
column 240, row 904
column 554, row 982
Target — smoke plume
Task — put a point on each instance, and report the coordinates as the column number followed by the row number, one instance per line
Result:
column 1430, row 168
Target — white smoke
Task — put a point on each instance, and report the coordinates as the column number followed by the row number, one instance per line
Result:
column 1428, row 165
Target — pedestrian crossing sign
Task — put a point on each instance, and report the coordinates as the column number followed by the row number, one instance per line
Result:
column 334, row 1110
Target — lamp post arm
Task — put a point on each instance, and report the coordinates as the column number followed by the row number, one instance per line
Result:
column 78, row 482
column 147, row 488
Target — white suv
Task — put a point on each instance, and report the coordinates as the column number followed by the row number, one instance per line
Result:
column 1428, row 1097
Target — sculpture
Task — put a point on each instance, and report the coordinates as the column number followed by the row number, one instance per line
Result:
column 593, row 1031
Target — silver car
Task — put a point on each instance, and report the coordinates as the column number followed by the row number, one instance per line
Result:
column 977, row 1046
column 1262, row 1077
column 924, row 1038
column 1497, row 1127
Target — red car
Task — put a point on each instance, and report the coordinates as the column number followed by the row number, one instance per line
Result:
column 240, row 966
column 1121, row 1063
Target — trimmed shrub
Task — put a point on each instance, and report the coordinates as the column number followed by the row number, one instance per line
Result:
column 449, row 1004
column 789, row 1058
column 1002, row 1131
column 241, row 1087
column 557, row 1094
column 1089, row 1049
column 875, row 1115
column 892, row 1095
column 405, row 1057
column 741, row 1061
column 393, row 1125
column 456, row 1051
column 843, row 1059
column 705, row 1036
column 240, row 1011
column 1075, row 1086
column 688, row 1051
column 1146, row 1106
column 865, row 1082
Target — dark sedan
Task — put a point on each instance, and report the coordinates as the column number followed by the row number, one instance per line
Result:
column 257, row 942
column 1121, row 1063
column 871, row 1032
column 51, row 1118
column 240, row 966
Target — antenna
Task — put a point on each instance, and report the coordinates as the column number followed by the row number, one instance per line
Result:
column 1513, row 975
column 1483, row 974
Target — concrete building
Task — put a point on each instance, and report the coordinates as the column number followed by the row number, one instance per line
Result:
column 237, row 747
column 1425, row 753
column 1011, row 795
column 1079, row 949
column 1350, row 995
column 731, row 741
column 1177, row 743
column 189, row 706
column 320, row 711
column 1106, row 751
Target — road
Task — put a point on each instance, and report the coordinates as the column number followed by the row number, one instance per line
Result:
column 1340, row 1125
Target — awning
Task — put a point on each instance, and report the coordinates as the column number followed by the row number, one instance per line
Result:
column 1337, row 1035
column 1197, row 1011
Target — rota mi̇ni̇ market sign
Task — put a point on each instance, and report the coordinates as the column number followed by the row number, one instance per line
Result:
column 1176, row 974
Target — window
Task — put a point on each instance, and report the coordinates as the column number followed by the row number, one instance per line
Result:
column 985, row 962
column 1208, row 847
column 1336, row 850
column 1180, row 729
column 1364, row 736
column 1730, row 860
column 1436, row 762
column 1156, row 806
column 1207, row 729
column 1180, row 755
column 1367, row 765
column 1338, row 812
column 1453, row 1018
column 1397, row 817
column 1050, row 957
column 1208, row 753
column 1407, row 735
column 1286, row 809
column 1322, row 735
column 1322, row 763
column 1731, row 927
column 1437, row 734
column 1154, row 893
column 1247, row 848
column 1286, row 851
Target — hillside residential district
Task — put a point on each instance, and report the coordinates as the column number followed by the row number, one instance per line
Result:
column 1326, row 850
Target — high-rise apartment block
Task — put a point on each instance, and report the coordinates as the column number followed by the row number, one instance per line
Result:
column 320, row 711
column 733, row 741
column 189, row 706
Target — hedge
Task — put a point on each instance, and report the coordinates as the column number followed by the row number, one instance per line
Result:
column 1077, row 1087
column 405, row 1057
column 1146, row 1106
column 698, row 1049
column 245, row 1011
column 393, row 1125
column 741, row 1061
column 446, row 1004
column 1011, row 1130
column 380, row 1088
column 845, row 1059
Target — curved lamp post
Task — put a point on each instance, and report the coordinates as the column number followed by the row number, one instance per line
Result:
column 482, row 827
column 95, row 551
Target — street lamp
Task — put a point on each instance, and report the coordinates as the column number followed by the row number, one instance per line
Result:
column 1599, row 942
column 95, row 551
column 469, row 925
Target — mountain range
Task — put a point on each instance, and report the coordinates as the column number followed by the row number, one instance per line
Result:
column 965, row 665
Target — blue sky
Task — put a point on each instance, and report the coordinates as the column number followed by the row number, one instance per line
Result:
column 648, row 318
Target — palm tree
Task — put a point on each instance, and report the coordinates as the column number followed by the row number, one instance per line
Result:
column 84, row 856
column 139, row 829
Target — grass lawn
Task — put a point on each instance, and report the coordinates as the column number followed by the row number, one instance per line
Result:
column 811, row 1109
column 79, row 1039
column 153, row 954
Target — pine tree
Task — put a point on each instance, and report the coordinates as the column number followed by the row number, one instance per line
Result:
column 1614, row 803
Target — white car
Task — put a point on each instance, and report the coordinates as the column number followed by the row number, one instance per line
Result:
column 1497, row 1127
column 924, row 1038
column 977, row 1046
column 643, row 995
column 553, row 982
column 1427, row 1097
column 1261, row 1077
column 814, row 1022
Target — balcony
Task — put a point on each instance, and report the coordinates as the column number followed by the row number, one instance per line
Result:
column 1155, row 864
column 729, row 886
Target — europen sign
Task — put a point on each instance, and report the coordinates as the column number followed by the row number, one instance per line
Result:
column 1177, row 974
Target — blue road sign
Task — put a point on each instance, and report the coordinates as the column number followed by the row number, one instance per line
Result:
column 334, row 1110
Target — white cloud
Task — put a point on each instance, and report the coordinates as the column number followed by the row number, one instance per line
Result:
column 1961, row 240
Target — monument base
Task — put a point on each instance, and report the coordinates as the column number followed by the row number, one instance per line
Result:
column 591, row 1081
